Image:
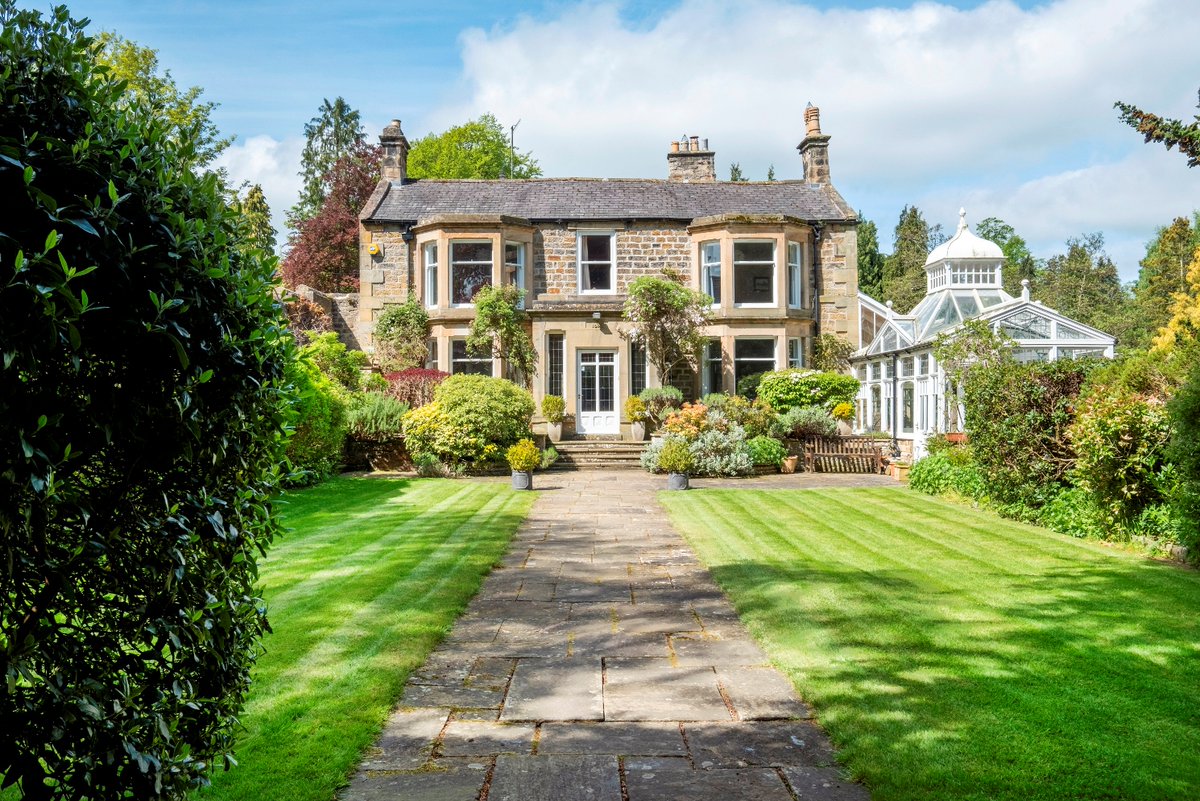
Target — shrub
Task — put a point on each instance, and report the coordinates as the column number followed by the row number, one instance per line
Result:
column 314, row 450
column 375, row 417
column 789, row 389
column 1017, row 418
column 142, row 404
column 831, row 353
column 635, row 409
column 807, row 421
column 715, row 400
column 402, row 336
column 660, row 401
column 719, row 452
column 471, row 420
column 756, row 416
column 747, row 385
column 1073, row 512
column 525, row 456
column 549, row 457
column 674, row 457
column 948, row 472
column 1184, row 452
column 330, row 355
column 843, row 411
column 687, row 422
column 414, row 386
column 499, row 329
column 306, row 318
column 766, row 450
column 553, row 408
column 667, row 318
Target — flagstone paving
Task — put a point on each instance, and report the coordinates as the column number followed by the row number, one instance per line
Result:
column 600, row 662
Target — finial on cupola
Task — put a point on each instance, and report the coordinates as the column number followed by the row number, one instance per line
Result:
column 962, row 219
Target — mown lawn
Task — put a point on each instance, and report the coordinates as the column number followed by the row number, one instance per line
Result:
column 369, row 577
column 953, row 654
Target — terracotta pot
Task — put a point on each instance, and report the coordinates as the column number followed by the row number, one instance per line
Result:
column 789, row 464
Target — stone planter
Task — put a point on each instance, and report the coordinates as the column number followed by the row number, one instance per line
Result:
column 677, row 481
column 899, row 470
column 789, row 464
column 554, row 431
column 522, row 479
column 637, row 432
column 844, row 428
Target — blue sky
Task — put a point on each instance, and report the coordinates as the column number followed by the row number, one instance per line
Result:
column 1003, row 107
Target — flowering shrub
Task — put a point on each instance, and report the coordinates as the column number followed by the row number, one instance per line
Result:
column 843, row 411
column 414, row 386
column 787, row 389
column 471, row 420
column 687, row 422
column 756, row 416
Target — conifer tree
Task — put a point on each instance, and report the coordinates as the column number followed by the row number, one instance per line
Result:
column 257, row 216
column 330, row 135
column 904, row 269
column 870, row 260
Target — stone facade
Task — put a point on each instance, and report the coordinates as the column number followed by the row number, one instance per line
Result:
column 643, row 248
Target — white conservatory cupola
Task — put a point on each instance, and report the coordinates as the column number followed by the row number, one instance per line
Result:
column 964, row 260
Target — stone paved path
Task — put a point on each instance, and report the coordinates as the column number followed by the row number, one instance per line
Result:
column 600, row 662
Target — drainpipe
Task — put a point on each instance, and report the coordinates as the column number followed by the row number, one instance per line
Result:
column 815, row 280
column 895, row 400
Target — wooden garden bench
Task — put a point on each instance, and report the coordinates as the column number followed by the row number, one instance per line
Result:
column 843, row 455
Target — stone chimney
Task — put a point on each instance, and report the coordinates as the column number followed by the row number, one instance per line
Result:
column 814, row 150
column 690, row 160
column 394, row 166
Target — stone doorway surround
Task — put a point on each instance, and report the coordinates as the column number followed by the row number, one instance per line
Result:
column 600, row 662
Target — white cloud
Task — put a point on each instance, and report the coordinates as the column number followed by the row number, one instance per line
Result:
column 918, row 101
column 272, row 163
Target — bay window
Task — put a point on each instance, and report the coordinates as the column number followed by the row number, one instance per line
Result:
column 514, row 268
column 430, row 257
column 710, row 267
column 754, row 273
column 752, row 356
column 794, row 287
column 463, row 361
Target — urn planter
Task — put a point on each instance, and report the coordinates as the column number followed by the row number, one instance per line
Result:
column 637, row 432
column 522, row 479
column 554, row 431
column 677, row 481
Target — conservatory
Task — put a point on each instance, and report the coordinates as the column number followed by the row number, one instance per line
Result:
column 904, row 389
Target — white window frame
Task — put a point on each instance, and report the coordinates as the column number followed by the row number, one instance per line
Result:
column 710, row 268
column 707, row 385
column 467, row 357
column 429, row 254
column 451, row 263
column 795, row 352
column 772, row 364
column 581, row 264
column 772, row 263
column 795, row 274
column 515, row 271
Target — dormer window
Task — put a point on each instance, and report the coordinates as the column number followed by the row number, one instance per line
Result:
column 754, row 273
column 470, row 270
column 597, row 263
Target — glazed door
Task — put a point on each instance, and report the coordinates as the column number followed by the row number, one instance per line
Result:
column 596, row 409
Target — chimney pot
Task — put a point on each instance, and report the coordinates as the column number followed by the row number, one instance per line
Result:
column 394, row 164
column 695, row 143
column 688, row 162
column 814, row 149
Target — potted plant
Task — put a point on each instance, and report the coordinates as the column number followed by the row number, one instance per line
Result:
column 523, row 458
column 676, row 460
column 553, row 408
column 635, row 410
column 843, row 413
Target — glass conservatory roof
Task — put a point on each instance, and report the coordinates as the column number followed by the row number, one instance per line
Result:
column 949, row 307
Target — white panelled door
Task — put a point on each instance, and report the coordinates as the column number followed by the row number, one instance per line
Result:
column 596, row 408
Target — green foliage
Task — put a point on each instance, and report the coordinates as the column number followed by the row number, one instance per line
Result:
column 789, row 389
column 402, row 336
column 904, row 269
column 376, row 417
column 475, row 149
column 715, row 400
column 870, row 260
column 675, row 457
column 660, row 402
column 747, row 385
column 256, row 215
column 142, row 409
column 1184, row 453
column 807, row 421
column 667, row 319
column 1083, row 283
column 972, row 345
column 314, row 450
column 1166, row 131
column 185, row 120
column 635, row 409
column 1019, row 263
column 1017, row 418
column 831, row 354
column 945, row 472
column 1162, row 277
column 554, row 408
column 717, row 444
column 549, row 457
column 329, row 355
column 499, row 330
column 471, row 420
column 525, row 456
column 735, row 173
column 756, row 416
column 766, row 450
column 329, row 136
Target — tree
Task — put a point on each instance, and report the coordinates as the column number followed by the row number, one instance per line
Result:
column 323, row 249
column 142, row 409
column 667, row 320
column 1172, row 133
column 1083, row 282
column 257, row 216
column 974, row 344
column 1019, row 264
column 333, row 134
column 1184, row 325
column 870, row 260
column 771, row 172
column 476, row 149
column 735, row 173
column 904, row 269
column 499, row 330
column 183, row 116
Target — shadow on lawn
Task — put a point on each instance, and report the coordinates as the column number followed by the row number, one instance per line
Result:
column 1069, row 683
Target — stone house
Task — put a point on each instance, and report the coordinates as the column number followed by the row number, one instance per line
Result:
column 904, row 391
column 779, row 259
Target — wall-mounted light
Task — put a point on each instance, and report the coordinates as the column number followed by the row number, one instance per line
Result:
column 596, row 319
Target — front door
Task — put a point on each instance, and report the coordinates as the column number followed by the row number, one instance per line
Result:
column 596, row 410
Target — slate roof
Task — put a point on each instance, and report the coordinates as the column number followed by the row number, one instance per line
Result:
column 603, row 199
